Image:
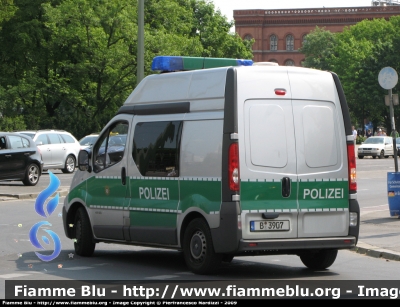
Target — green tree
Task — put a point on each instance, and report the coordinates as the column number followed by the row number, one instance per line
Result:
column 318, row 48
column 70, row 64
column 361, row 52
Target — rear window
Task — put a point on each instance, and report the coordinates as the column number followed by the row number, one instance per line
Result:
column 67, row 138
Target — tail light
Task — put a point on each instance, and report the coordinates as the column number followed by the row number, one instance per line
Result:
column 351, row 156
column 233, row 168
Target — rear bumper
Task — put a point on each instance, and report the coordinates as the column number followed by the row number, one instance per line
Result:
column 296, row 244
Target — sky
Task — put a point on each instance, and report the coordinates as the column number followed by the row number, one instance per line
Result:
column 227, row 6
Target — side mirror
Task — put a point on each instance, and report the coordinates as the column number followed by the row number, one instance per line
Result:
column 83, row 161
column 39, row 143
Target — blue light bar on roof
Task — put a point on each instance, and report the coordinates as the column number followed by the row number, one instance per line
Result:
column 181, row 63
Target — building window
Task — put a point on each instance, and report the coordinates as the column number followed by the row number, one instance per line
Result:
column 303, row 39
column 273, row 42
column 248, row 37
column 289, row 63
column 289, row 43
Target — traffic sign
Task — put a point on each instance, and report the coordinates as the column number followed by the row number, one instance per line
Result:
column 388, row 78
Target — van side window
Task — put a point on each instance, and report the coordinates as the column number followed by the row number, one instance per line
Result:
column 110, row 148
column 156, row 148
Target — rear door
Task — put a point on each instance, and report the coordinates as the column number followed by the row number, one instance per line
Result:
column 293, row 175
column 321, row 155
column 267, row 156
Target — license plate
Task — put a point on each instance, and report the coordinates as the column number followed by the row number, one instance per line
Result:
column 269, row 225
column 367, row 151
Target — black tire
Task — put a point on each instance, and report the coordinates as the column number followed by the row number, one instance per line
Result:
column 319, row 259
column 373, row 157
column 84, row 244
column 381, row 155
column 32, row 175
column 70, row 164
column 360, row 157
column 198, row 249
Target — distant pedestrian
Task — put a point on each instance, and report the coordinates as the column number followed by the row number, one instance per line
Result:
column 380, row 133
column 354, row 134
column 369, row 133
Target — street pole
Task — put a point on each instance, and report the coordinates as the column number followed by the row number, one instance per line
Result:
column 140, row 45
column 396, row 166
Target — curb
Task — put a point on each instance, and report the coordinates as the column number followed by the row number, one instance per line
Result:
column 375, row 251
column 5, row 196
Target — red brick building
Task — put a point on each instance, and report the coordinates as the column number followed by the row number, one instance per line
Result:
column 279, row 34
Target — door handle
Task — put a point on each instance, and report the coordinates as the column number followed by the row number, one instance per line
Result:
column 285, row 186
column 123, row 176
column 270, row 215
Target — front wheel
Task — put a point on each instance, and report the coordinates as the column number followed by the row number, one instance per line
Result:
column 381, row 155
column 360, row 157
column 84, row 244
column 32, row 174
column 198, row 249
column 70, row 164
column 319, row 259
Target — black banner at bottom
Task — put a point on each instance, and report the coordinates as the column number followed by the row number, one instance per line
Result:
column 207, row 292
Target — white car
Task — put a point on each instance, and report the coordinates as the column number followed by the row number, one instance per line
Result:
column 59, row 148
column 376, row 146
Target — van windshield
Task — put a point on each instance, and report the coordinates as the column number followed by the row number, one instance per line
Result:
column 374, row 141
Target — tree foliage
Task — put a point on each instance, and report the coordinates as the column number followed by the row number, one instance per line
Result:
column 318, row 48
column 357, row 55
column 70, row 64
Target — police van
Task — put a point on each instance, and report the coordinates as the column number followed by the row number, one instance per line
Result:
column 222, row 158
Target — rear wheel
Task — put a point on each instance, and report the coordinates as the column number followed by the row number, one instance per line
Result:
column 84, row 244
column 69, row 165
column 198, row 249
column 360, row 157
column 373, row 157
column 319, row 259
column 32, row 174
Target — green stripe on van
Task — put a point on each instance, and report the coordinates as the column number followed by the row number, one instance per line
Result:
column 323, row 194
column 266, row 196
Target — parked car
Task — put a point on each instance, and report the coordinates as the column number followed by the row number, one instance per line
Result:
column 88, row 141
column 376, row 146
column 20, row 159
column 59, row 148
column 115, row 149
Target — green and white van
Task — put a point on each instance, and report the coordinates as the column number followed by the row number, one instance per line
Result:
column 222, row 158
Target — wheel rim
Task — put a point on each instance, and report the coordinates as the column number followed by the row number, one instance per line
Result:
column 33, row 174
column 70, row 164
column 198, row 246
